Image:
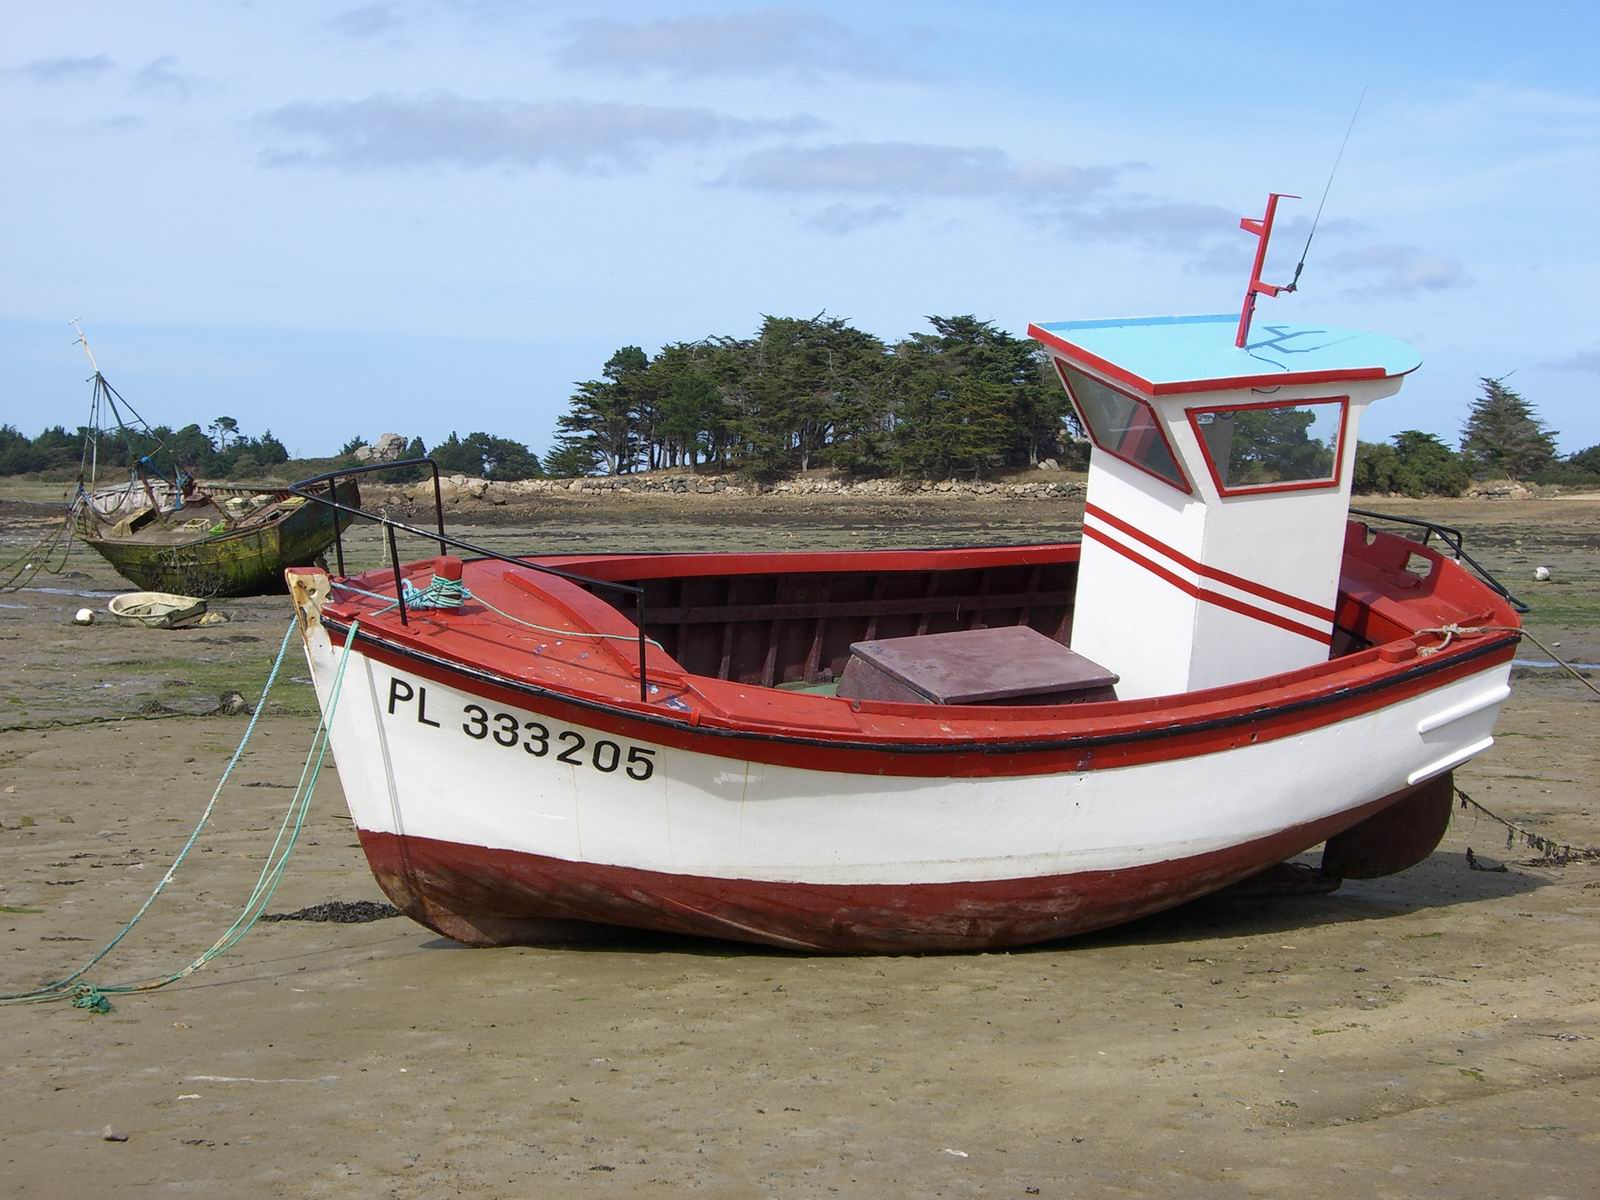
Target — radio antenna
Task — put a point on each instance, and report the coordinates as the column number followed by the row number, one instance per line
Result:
column 1294, row 284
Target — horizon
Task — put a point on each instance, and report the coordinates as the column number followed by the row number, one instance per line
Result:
column 428, row 217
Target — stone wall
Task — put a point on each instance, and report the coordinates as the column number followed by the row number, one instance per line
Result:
column 457, row 488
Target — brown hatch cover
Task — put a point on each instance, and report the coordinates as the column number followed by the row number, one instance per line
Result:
column 1013, row 664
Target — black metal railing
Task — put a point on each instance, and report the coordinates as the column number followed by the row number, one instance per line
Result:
column 1452, row 540
column 305, row 488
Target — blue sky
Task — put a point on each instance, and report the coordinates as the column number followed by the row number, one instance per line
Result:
column 422, row 216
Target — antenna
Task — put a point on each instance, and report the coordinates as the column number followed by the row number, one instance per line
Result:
column 1294, row 284
column 84, row 342
column 1263, row 231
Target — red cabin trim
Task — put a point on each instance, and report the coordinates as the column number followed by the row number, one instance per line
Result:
column 1184, row 387
column 1185, row 486
column 1258, row 489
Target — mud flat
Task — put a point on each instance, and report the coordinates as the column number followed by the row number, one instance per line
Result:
column 1432, row 1034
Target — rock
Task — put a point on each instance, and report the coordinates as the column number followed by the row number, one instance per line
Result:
column 1049, row 464
column 1541, row 573
column 110, row 1134
column 232, row 704
column 388, row 448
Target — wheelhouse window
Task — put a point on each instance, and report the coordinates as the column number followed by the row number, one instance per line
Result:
column 1276, row 446
column 1122, row 425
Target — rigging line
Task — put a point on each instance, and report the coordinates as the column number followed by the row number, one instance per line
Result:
column 1337, row 158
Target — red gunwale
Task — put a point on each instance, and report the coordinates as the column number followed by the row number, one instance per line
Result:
column 1379, row 601
column 1184, row 387
column 1187, row 488
column 1261, row 489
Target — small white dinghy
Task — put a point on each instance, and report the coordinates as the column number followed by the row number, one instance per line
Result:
column 157, row 610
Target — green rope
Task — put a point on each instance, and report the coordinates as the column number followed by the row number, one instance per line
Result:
column 37, row 557
column 451, row 593
column 440, row 593
column 93, row 998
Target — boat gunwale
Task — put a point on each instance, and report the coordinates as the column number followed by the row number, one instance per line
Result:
column 1386, row 677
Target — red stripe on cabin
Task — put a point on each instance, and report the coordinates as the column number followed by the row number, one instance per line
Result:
column 1205, row 594
column 1210, row 572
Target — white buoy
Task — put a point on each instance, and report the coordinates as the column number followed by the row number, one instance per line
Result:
column 1541, row 573
column 84, row 616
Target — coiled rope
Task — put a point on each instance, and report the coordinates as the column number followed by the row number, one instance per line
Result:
column 94, row 997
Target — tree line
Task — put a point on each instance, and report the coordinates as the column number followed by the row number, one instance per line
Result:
column 222, row 452
column 967, row 399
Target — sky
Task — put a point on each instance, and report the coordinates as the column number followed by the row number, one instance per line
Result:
column 436, row 215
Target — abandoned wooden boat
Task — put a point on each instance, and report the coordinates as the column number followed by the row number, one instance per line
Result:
column 156, row 610
column 222, row 540
column 168, row 532
column 949, row 749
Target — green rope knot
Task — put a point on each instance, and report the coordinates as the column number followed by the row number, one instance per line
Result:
column 92, row 999
column 440, row 593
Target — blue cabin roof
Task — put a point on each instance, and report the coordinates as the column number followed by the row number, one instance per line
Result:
column 1164, row 355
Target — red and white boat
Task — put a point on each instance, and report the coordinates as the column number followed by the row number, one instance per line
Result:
column 956, row 749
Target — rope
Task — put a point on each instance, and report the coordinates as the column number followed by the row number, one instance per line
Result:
column 92, row 997
column 37, row 557
column 1558, row 854
column 452, row 593
column 1452, row 631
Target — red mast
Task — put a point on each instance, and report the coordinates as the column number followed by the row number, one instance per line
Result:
column 1263, row 231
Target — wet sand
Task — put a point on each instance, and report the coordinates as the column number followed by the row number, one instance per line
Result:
column 1432, row 1034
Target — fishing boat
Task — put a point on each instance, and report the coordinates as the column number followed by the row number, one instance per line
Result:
column 942, row 749
column 168, row 532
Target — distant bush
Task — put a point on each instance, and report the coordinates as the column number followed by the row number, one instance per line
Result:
column 1417, row 464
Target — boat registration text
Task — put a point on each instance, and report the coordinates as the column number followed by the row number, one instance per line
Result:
column 509, row 731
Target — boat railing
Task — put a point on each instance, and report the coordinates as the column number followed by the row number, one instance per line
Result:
column 1454, row 542
column 327, row 496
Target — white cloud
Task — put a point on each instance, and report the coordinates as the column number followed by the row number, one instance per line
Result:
column 910, row 169
column 739, row 44
column 368, row 22
column 1399, row 270
column 1584, row 360
column 388, row 131
column 161, row 78
column 67, row 69
column 847, row 218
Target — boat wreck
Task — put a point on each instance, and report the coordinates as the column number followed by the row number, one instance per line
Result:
column 947, row 749
column 168, row 532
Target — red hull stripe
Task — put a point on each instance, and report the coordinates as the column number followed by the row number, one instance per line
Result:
column 1209, row 572
column 486, row 896
column 1104, row 736
column 1205, row 594
column 1184, row 387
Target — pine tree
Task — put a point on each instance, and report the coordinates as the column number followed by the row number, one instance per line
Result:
column 1503, row 435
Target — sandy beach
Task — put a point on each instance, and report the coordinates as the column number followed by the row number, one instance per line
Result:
column 1436, row 1033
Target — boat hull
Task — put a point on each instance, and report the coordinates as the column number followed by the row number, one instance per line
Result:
column 245, row 562
column 485, row 814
